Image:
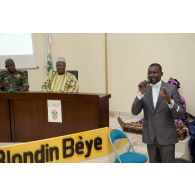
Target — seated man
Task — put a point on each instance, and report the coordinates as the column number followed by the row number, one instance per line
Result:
column 12, row 79
column 60, row 80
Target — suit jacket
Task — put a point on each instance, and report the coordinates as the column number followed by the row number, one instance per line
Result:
column 159, row 121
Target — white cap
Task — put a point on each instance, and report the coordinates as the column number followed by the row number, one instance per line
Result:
column 61, row 59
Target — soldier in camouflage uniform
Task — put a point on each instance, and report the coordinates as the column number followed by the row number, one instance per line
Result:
column 12, row 79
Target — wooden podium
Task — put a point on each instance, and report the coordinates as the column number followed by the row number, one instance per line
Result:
column 24, row 115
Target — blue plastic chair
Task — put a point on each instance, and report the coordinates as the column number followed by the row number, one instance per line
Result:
column 116, row 135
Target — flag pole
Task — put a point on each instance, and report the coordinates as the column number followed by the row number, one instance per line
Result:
column 49, row 57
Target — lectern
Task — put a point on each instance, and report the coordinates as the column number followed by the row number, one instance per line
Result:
column 24, row 115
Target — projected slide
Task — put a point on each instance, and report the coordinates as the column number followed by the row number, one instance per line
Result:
column 19, row 47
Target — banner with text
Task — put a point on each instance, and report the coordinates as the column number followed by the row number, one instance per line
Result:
column 69, row 148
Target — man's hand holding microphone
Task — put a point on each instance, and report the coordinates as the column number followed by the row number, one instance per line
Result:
column 143, row 86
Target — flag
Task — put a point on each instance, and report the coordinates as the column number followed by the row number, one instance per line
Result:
column 49, row 58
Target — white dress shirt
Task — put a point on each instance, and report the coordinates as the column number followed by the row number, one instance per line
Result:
column 155, row 94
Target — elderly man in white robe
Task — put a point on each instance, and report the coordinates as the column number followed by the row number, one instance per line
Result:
column 60, row 80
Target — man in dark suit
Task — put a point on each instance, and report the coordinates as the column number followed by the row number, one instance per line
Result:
column 160, row 102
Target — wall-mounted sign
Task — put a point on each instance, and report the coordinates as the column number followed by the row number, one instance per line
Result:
column 54, row 111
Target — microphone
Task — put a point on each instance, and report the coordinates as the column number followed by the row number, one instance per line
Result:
column 144, row 83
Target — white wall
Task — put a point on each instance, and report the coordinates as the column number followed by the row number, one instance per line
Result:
column 88, row 56
column 36, row 76
column 129, row 56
